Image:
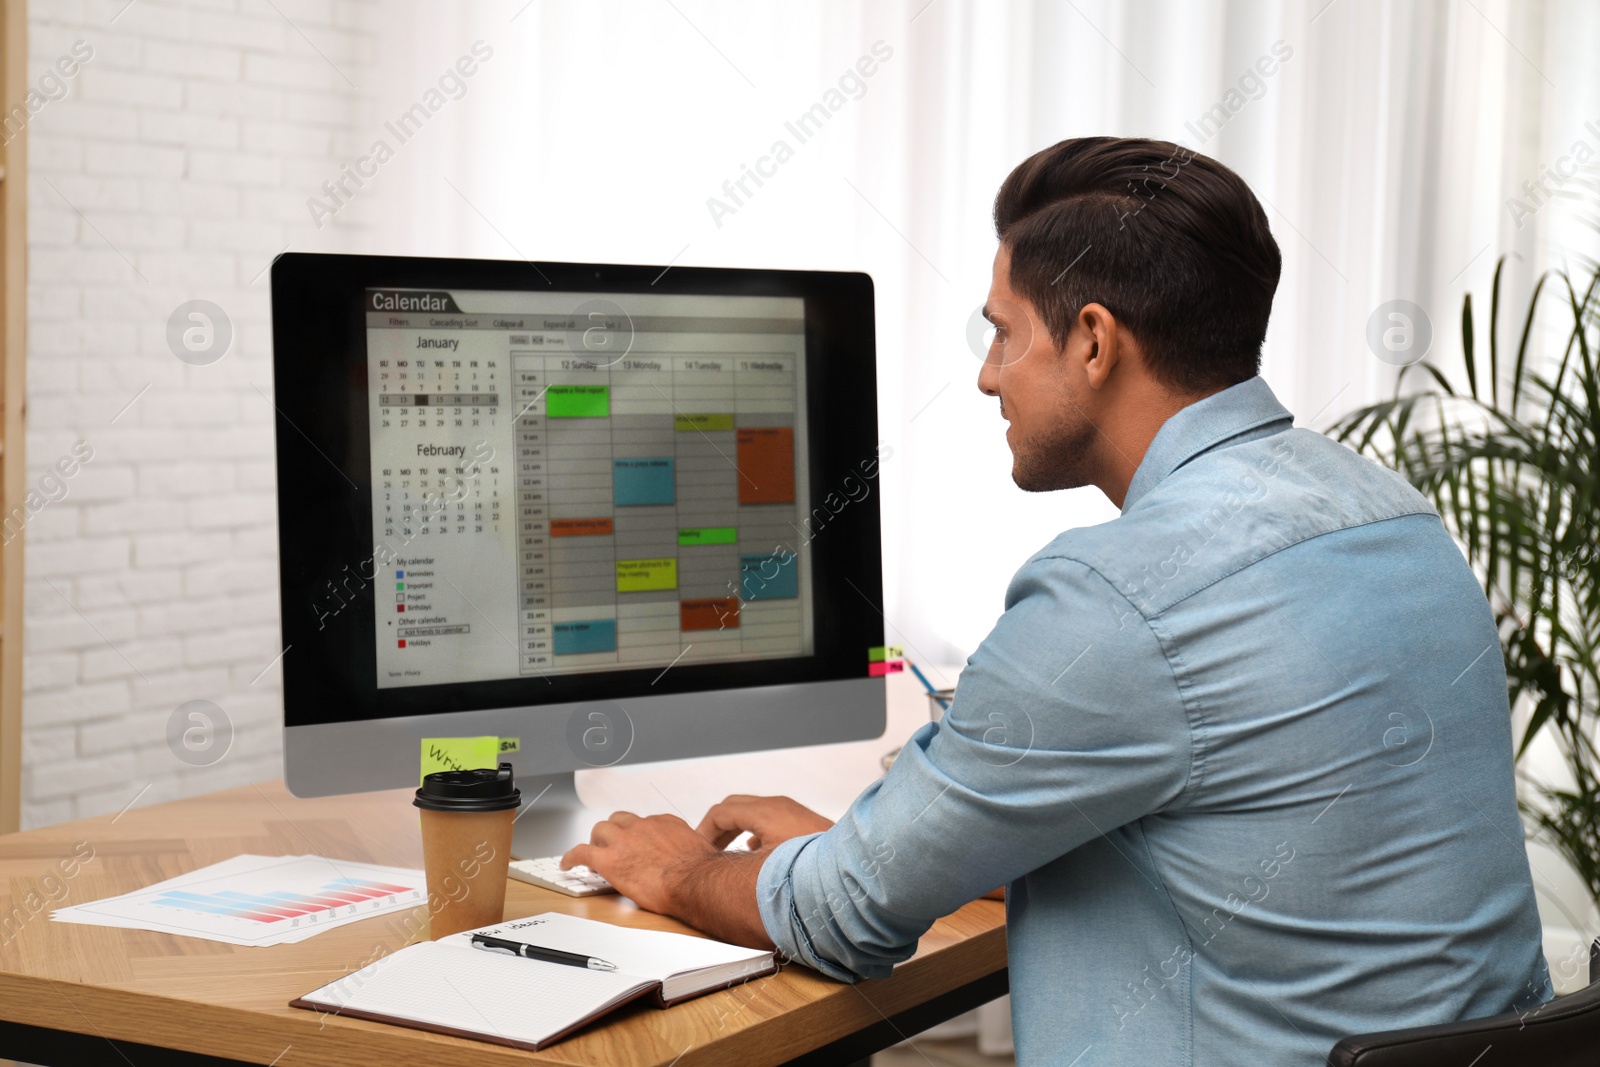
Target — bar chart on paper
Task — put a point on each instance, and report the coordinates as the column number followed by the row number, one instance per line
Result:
column 272, row 906
column 260, row 900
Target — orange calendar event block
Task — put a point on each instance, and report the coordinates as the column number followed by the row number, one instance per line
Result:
column 580, row 527
column 766, row 465
column 721, row 613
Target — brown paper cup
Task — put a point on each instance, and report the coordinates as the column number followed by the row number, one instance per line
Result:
column 465, row 855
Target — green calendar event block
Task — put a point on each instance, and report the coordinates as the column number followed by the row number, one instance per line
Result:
column 578, row 402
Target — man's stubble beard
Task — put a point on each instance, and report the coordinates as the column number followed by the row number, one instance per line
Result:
column 1060, row 460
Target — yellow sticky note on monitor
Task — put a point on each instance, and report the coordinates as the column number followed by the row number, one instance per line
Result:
column 458, row 754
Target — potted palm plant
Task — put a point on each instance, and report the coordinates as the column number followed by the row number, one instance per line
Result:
column 1512, row 462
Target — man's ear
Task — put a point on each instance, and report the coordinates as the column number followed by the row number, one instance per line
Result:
column 1103, row 340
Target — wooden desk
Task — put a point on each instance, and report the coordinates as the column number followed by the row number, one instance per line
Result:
column 67, row 992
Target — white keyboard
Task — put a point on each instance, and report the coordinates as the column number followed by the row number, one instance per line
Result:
column 546, row 873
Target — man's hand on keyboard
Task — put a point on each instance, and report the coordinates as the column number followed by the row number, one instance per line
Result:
column 769, row 820
column 641, row 856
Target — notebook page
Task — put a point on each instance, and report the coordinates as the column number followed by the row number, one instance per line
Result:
column 652, row 954
column 481, row 992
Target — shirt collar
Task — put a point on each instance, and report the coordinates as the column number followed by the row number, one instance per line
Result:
column 1236, row 410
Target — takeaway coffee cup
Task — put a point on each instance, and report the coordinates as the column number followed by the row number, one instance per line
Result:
column 466, row 845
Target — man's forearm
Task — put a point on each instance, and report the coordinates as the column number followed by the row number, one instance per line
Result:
column 716, row 894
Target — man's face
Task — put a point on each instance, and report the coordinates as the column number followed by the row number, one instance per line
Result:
column 1050, row 435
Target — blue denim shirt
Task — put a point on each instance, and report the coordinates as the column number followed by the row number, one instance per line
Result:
column 1242, row 757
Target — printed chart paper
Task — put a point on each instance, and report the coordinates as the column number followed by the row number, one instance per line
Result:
column 259, row 900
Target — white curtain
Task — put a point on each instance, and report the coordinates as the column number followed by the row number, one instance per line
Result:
column 1385, row 148
column 1385, row 144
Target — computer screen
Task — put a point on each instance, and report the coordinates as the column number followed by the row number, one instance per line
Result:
column 581, row 491
column 517, row 496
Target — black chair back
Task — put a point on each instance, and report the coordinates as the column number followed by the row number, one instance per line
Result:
column 1564, row 1032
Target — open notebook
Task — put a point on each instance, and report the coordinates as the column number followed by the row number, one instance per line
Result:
column 450, row 987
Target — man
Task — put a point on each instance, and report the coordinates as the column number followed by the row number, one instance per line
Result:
column 1242, row 755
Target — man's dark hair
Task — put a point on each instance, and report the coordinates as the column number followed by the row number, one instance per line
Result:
column 1173, row 243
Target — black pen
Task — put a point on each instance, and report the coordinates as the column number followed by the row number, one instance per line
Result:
column 534, row 952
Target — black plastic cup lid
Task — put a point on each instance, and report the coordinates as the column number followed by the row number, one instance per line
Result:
column 484, row 789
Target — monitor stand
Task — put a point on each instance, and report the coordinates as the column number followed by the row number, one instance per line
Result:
column 553, row 818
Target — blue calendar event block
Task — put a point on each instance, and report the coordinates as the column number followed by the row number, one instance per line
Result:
column 642, row 481
column 572, row 638
column 769, row 576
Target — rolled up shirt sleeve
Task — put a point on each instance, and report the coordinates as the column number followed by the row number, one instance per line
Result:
column 1068, row 723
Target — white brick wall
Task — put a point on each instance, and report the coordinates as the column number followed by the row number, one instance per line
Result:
column 174, row 169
